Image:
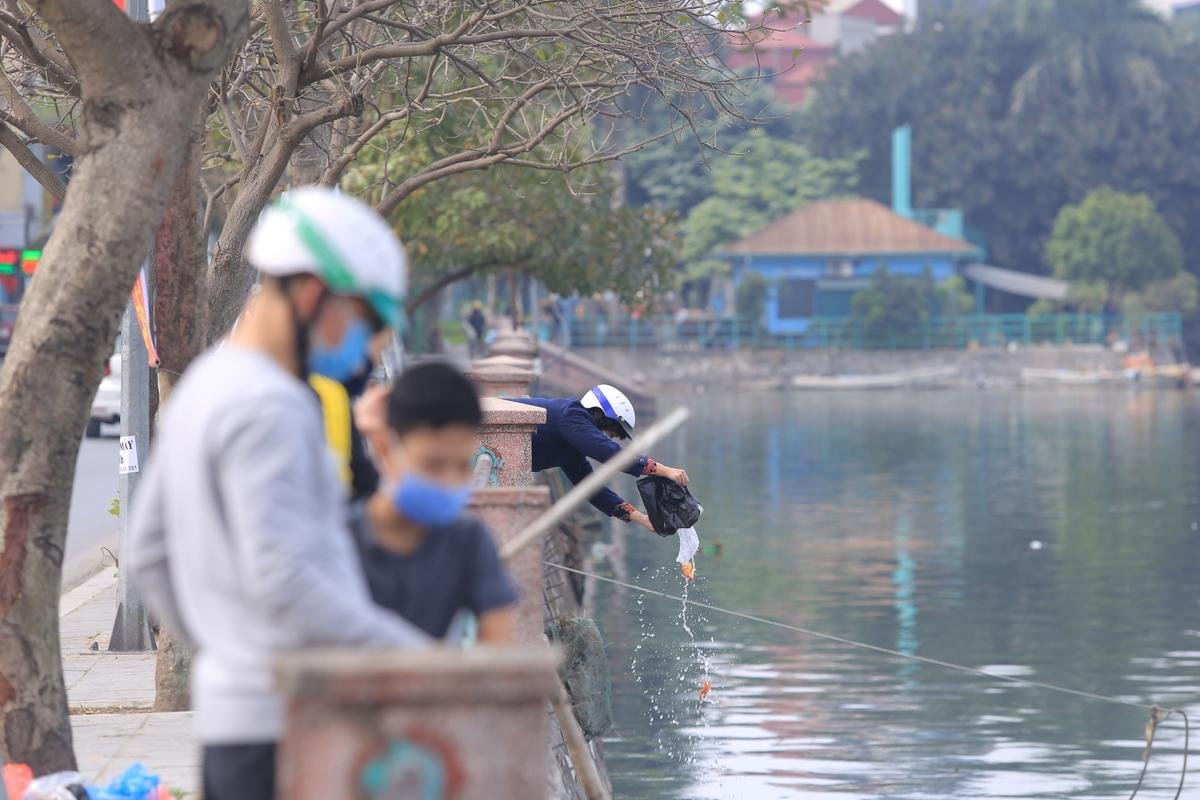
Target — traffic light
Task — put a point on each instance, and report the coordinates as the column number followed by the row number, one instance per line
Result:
column 30, row 260
column 9, row 261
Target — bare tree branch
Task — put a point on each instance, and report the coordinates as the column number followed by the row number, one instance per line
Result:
column 29, row 122
column 210, row 201
column 235, row 130
column 301, row 125
column 32, row 164
column 33, row 45
column 314, row 42
column 286, row 58
column 478, row 158
column 421, row 297
column 454, row 87
column 333, row 173
column 395, row 51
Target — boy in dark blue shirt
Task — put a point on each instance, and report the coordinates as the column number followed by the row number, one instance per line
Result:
column 576, row 430
column 424, row 558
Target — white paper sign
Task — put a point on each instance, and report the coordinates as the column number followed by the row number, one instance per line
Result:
column 129, row 461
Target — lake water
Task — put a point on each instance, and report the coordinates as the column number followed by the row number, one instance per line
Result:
column 1049, row 535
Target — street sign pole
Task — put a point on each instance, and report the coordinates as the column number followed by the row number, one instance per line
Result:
column 131, row 629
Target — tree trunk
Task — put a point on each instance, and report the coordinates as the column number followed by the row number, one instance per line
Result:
column 230, row 276
column 514, row 302
column 142, row 86
column 180, row 312
column 428, row 292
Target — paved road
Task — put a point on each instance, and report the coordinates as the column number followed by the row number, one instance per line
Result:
column 95, row 489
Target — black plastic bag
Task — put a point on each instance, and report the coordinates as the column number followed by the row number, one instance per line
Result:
column 669, row 506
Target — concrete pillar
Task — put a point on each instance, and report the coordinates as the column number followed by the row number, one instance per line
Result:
column 508, row 510
column 429, row 723
column 502, row 376
column 507, row 436
column 516, row 343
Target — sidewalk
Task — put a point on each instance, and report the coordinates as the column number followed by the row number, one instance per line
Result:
column 111, row 695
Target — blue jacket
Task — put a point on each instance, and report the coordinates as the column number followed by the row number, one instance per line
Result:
column 568, row 438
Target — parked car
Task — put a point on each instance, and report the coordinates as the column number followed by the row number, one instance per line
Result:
column 106, row 406
column 8, row 318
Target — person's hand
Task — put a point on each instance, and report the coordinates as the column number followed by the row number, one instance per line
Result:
column 370, row 416
column 677, row 475
column 638, row 518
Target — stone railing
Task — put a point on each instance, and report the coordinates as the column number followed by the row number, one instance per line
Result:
column 430, row 723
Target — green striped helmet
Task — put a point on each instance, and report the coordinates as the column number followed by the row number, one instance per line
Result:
column 339, row 239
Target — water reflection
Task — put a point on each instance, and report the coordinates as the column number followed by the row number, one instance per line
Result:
column 1046, row 535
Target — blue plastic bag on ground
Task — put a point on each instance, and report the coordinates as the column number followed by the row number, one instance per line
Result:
column 135, row 783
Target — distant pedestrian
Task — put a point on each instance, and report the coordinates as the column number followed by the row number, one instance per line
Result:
column 557, row 332
column 239, row 542
column 477, row 321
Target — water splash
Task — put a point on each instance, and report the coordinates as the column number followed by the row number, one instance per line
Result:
column 675, row 712
column 702, row 656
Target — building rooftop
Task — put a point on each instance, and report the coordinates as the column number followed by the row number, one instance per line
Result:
column 774, row 34
column 786, row 58
column 875, row 10
column 850, row 226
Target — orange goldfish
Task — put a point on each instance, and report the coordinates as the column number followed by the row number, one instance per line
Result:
column 688, row 570
column 705, row 688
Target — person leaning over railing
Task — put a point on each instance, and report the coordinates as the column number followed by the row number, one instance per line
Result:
column 576, row 430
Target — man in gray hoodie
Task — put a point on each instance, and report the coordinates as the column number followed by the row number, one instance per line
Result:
column 239, row 541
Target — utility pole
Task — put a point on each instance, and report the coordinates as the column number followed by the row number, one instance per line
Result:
column 131, row 629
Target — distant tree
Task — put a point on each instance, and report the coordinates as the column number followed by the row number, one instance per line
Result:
column 571, row 235
column 750, row 299
column 1180, row 294
column 895, row 306
column 674, row 173
column 1021, row 108
column 770, row 178
column 1114, row 240
column 953, row 297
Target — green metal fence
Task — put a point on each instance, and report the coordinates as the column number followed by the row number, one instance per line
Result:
column 984, row 330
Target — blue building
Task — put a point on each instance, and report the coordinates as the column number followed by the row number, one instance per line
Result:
column 817, row 257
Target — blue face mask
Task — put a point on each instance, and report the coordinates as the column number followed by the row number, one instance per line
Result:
column 343, row 361
column 426, row 502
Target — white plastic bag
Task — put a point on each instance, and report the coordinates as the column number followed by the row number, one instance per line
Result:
column 689, row 543
column 58, row 786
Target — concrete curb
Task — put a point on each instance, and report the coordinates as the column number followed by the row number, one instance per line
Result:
column 81, row 595
column 85, row 565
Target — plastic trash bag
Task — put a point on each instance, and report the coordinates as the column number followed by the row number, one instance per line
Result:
column 689, row 543
column 135, row 783
column 57, row 786
column 669, row 506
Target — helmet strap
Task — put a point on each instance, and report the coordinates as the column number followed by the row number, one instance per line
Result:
column 302, row 328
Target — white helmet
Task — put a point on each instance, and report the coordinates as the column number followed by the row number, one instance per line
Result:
column 613, row 403
column 339, row 239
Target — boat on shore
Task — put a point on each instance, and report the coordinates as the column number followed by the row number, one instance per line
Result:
column 1168, row 376
column 1035, row 376
column 926, row 378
